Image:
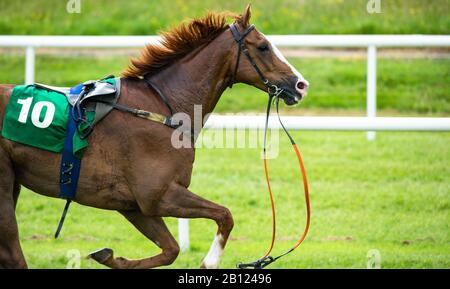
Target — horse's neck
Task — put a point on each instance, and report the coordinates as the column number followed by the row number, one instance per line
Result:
column 200, row 78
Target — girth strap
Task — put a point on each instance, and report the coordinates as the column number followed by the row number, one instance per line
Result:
column 70, row 167
column 63, row 217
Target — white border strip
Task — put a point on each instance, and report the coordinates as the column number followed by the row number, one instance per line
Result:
column 330, row 123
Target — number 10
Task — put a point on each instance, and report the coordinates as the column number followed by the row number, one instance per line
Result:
column 36, row 113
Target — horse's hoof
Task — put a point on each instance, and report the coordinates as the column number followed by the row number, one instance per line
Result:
column 101, row 255
column 208, row 266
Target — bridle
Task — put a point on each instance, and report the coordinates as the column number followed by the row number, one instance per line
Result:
column 272, row 89
column 274, row 93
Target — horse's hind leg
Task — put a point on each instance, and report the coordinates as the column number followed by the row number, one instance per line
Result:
column 11, row 255
column 155, row 230
column 181, row 203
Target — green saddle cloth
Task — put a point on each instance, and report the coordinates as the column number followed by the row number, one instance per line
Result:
column 37, row 117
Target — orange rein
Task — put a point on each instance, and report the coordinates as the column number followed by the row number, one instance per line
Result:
column 266, row 259
column 272, row 203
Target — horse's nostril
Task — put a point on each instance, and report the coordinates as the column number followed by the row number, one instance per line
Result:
column 301, row 85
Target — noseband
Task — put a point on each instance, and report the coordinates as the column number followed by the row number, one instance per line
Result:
column 272, row 89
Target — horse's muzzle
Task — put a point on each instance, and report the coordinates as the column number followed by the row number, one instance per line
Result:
column 290, row 97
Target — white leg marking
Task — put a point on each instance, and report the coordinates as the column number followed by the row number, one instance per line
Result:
column 212, row 259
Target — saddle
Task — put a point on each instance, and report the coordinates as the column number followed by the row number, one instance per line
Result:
column 90, row 96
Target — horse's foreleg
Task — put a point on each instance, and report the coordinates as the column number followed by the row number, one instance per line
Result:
column 11, row 255
column 155, row 230
column 16, row 193
column 181, row 203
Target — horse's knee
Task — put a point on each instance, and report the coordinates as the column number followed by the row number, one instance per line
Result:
column 225, row 220
column 171, row 253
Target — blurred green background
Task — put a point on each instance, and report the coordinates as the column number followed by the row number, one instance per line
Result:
column 113, row 17
column 391, row 195
column 417, row 82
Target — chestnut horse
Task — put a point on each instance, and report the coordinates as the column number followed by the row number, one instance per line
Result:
column 131, row 165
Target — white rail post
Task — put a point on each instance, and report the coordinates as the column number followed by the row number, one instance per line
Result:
column 183, row 234
column 371, row 86
column 29, row 65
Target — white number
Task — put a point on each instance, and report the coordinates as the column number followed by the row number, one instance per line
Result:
column 49, row 114
column 36, row 113
column 26, row 103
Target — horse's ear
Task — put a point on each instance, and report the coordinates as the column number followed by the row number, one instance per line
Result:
column 245, row 17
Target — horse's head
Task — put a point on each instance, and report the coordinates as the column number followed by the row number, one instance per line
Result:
column 261, row 64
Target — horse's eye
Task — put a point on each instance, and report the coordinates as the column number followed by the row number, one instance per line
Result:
column 263, row 47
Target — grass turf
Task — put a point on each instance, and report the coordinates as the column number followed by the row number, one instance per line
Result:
column 113, row 17
column 391, row 195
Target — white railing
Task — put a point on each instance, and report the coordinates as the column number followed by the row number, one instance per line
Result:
column 369, row 41
column 369, row 123
column 331, row 123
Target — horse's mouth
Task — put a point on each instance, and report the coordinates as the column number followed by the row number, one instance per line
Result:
column 290, row 98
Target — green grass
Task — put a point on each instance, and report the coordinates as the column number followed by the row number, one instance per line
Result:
column 392, row 195
column 113, row 17
column 418, row 86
